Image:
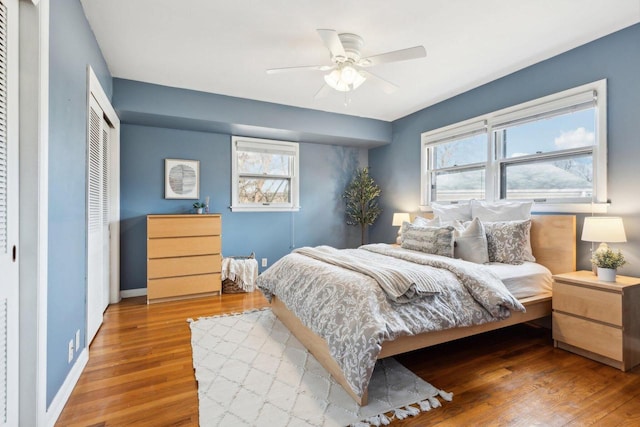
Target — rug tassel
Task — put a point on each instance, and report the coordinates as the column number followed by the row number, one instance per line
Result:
column 435, row 403
column 374, row 421
column 400, row 414
column 446, row 396
column 412, row 410
column 384, row 420
column 424, row 406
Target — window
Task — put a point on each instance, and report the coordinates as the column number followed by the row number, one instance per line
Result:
column 264, row 175
column 551, row 150
column 457, row 161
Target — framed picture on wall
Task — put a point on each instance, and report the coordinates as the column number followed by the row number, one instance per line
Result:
column 181, row 179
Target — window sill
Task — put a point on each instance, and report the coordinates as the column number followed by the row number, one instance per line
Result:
column 598, row 208
column 264, row 209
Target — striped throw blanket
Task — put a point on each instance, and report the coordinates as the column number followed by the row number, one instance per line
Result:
column 401, row 281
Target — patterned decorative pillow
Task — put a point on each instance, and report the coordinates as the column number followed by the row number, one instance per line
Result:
column 507, row 241
column 432, row 240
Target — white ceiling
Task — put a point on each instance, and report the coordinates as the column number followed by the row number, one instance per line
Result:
column 224, row 47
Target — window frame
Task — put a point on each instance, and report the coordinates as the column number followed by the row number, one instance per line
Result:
column 554, row 104
column 266, row 145
column 442, row 136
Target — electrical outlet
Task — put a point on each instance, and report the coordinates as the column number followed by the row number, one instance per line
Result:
column 78, row 340
column 264, row 262
column 70, row 350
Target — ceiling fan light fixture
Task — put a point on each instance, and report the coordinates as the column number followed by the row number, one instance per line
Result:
column 344, row 79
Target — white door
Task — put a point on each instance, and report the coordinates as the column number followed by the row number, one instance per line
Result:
column 9, row 302
column 106, row 196
column 97, row 219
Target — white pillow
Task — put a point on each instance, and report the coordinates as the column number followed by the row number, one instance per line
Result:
column 458, row 211
column 471, row 242
column 426, row 222
column 500, row 211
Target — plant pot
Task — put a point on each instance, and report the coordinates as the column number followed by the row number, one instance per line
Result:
column 606, row 274
column 199, row 210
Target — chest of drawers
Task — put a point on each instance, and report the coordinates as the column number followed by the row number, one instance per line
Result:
column 183, row 256
column 599, row 320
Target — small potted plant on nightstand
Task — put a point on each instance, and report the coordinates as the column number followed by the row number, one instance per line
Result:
column 199, row 207
column 607, row 262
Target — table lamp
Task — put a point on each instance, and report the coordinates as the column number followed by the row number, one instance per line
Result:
column 398, row 219
column 603, row 229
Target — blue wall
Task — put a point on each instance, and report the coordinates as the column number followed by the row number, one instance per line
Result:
column 325, row 170
column 161, row 106
column 615, row 57
column 72, row 48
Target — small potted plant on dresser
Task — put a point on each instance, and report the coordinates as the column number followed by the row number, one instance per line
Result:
column 199, row 207
column 607, row 262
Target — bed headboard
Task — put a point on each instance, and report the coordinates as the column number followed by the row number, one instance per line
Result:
column 553, row 242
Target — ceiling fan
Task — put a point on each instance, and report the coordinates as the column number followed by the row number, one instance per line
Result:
column 348, row 69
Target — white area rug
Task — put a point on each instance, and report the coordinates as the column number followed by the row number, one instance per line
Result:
column 252, row 371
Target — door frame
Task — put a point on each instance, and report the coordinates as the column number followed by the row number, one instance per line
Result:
column 94, row 88
column 34, row 209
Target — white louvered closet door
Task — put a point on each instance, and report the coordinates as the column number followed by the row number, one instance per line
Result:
column 97, row 219
column 9, row 303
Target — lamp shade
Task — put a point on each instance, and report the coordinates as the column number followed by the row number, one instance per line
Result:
column 399, row 218
column 603, row 229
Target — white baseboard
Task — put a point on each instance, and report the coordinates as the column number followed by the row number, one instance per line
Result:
column 57, row 405
column 130, row 293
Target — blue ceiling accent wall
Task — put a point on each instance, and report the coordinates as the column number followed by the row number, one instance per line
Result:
column 325, row 171
column 154, row 105
column 72, row 48
column 615, row 57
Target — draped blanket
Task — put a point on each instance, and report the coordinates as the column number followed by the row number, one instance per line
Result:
column 354, row 315
column 402, row 281
column 242, row 271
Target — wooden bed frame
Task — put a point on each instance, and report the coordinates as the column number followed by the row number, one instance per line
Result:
column 553, row 241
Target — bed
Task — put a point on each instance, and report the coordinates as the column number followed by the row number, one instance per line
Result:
column 553, row 245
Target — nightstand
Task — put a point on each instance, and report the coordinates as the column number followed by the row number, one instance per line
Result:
column 598, row 320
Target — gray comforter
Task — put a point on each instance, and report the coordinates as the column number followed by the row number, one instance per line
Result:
column 354, row 314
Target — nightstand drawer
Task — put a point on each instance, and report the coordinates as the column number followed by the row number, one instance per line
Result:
column 586, row 302
column 595, row 337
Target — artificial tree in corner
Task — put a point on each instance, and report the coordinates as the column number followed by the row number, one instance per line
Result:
column 361, row 196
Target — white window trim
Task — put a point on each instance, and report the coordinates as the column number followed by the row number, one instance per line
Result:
column 294, row 206
column 497, row 119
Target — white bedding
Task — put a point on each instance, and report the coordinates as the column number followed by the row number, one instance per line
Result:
column 523, row 280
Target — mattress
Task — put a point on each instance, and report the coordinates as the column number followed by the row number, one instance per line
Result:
column 523, row 280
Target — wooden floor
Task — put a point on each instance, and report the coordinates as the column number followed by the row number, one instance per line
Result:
column 140, row 373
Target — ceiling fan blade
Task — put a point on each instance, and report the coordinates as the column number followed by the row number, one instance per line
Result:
column 394, row 56
column 333, row 43
column 323, row 91
column 385, row 85
column 303, row 68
